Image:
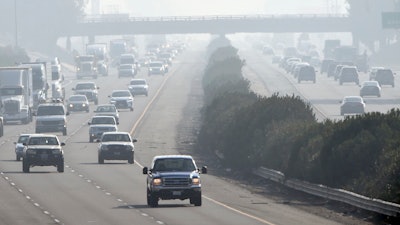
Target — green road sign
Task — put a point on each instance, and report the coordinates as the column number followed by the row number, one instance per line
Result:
column 390, row 20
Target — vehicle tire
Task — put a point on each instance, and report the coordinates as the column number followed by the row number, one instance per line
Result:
column 147, row 94
column 25, row 166
column 60, row 166
column 100, row 159
column 96, row 101
column 152, row 200
column 196, row 199
column 393, row 85
column 18, row 158
column 131, row 159
column 90, row 139
column 131, row 109
column 65, row 132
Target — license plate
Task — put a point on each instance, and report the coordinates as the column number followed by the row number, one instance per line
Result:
column 176, row 193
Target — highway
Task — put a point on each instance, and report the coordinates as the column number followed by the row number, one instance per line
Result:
column 115, row 192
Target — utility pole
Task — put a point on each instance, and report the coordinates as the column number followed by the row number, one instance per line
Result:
column 16, row 23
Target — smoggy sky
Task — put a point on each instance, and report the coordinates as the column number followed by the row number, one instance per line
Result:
column 221, row 7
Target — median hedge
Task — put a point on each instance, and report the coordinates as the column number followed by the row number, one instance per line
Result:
column 9, row 56
column 359, row 154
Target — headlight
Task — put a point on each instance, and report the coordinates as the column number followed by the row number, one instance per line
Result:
column 71, row 105
column 196, row 181
column 104, row 148
column 157, row 181
column 112, row 101
column 150, row 69
column 83, row 105
column 128, row 148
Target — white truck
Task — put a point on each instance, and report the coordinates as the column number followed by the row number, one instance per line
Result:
column 39, row 82
column 16, row 100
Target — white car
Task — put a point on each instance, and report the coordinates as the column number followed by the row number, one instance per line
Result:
column 122, row 99
column 352, row 105
column 138, row 87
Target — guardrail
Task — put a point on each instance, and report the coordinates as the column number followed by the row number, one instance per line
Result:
column 127, row 18
column 359, row 201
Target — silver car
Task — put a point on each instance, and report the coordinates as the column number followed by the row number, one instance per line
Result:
column 122, row 99
column 96, row 130
column 19, row 145
column 138, row 87
column 107, row 110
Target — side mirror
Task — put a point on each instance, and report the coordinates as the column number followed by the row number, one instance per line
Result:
column 89, row 123
column 117, row 123
column 15, row 143
column 62, row 144
column 134, row 140
column 145, row 170
column 67, row 113
column 73, row 89
column 98, row 140
column 204, row 169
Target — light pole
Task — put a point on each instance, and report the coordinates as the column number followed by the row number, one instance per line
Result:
column 16, row 23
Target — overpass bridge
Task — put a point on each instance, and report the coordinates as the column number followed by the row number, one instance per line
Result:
column 123, row 24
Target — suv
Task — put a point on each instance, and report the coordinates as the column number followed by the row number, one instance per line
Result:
column 51, row 117
column 384, row 76
column 101, row 124
column 43, row 150
column 122, row 99
column 138, row 87
column 348, row 74
column 89, row 89
column 77, row 103
column 173, row 177
column 306, row 73
column 116, row 146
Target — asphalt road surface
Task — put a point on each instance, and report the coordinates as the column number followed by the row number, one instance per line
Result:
column 115, row 192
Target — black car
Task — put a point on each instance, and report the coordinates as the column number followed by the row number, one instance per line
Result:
column 43, row 150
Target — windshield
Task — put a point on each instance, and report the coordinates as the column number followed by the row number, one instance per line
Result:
column 23, row 139
column 11, row 91
column 116, row 137
column 174, row 164
column 85, row 86
column 121, row 94
column 81, row 98
column 106, row 109
column 43, row 141
column 103, row 120
column 48, row 110
column 138, row 82
column 155, row 65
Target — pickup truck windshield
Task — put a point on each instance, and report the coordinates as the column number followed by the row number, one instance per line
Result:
column 50, row 110
column 174, row 164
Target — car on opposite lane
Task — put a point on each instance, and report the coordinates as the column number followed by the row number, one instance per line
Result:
column 116, row 146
